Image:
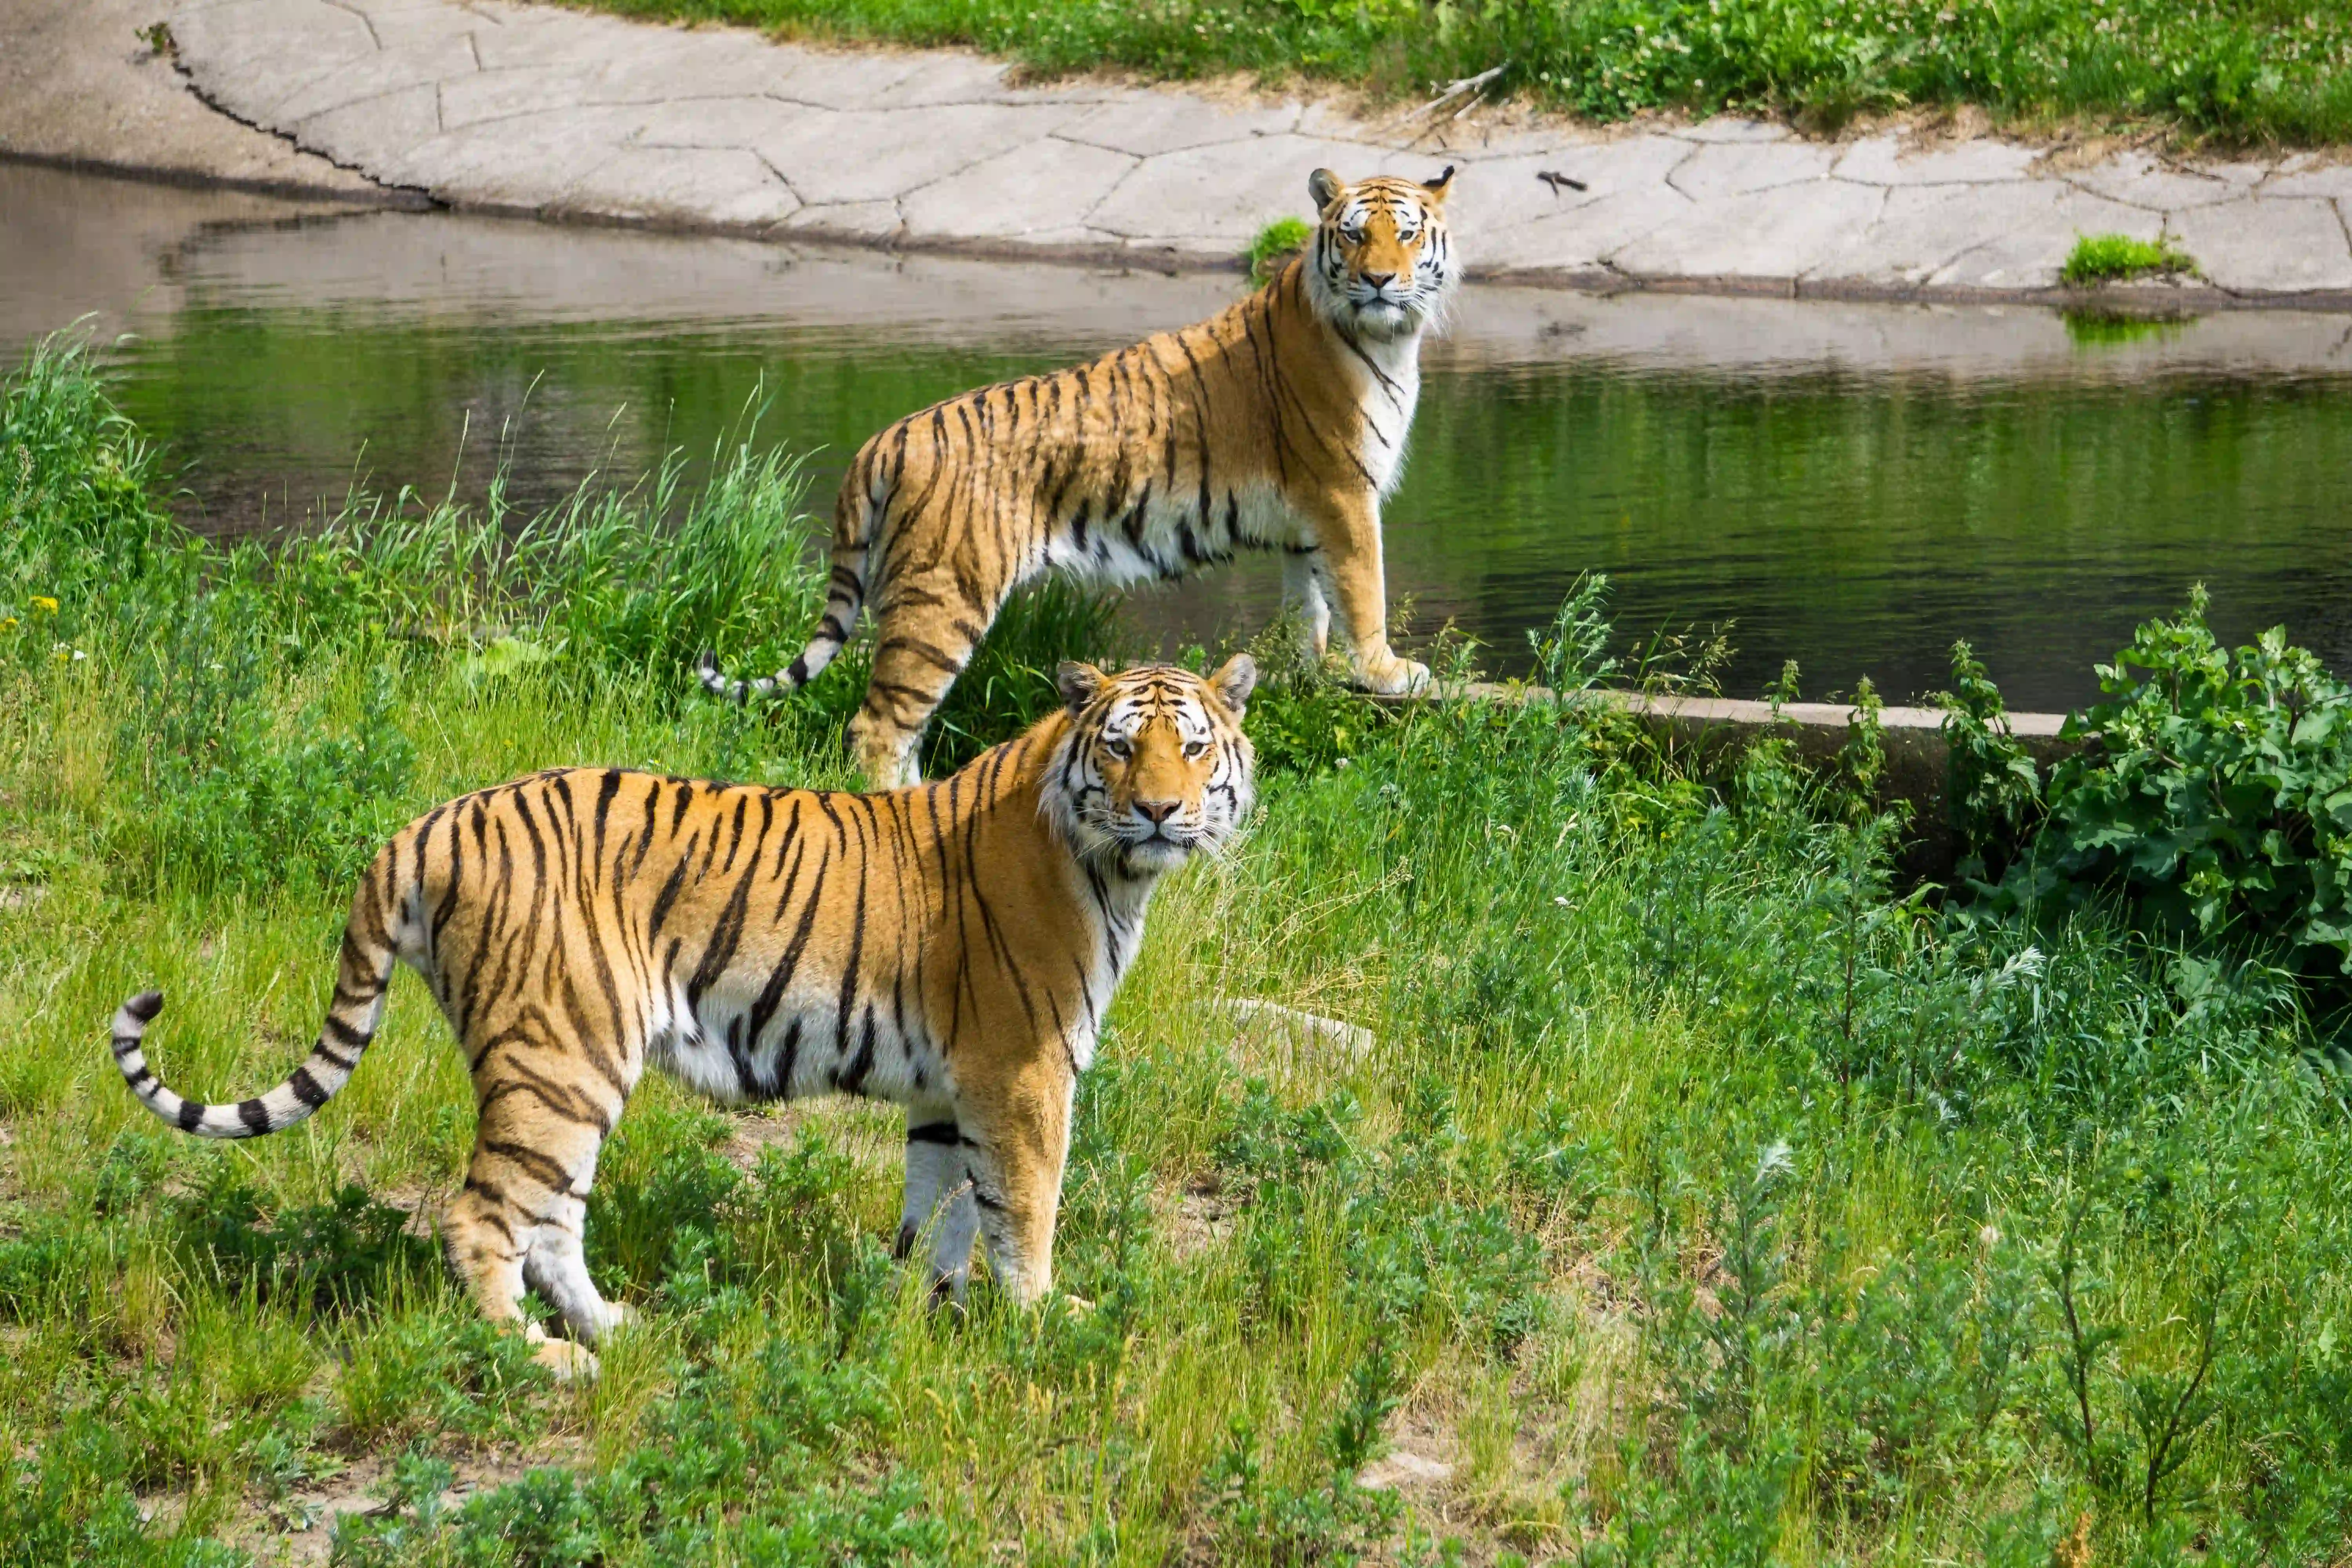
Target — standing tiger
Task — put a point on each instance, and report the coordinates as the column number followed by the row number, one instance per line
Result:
column 951, row 947
column 1280, row 424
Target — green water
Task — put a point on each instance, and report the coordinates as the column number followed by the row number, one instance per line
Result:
column 1854, row 519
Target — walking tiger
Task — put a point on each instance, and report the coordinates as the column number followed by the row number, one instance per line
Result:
column 1280, row 424
column 951, row 947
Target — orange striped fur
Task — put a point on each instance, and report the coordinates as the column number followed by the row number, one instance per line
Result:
column 951, row 947
column 1280, row 424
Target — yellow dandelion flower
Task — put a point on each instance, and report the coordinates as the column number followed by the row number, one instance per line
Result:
column 42, row 602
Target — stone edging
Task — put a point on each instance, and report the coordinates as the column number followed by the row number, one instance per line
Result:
column 1917, row 765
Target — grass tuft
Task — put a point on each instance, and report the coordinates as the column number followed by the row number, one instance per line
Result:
column 1276, row 244
column 2118, row 258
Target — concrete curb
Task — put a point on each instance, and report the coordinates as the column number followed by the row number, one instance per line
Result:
column 1919, row 761
column 582, row 116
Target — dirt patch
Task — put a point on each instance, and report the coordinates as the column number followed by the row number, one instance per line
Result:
column 299, row 1530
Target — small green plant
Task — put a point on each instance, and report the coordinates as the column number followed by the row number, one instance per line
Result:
column 1274, row 244
column 2119, row 258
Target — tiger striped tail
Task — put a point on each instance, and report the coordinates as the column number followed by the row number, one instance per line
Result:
column 863, row 501
column 351, row 1019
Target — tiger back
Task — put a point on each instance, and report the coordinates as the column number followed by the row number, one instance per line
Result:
column 953, row 948
column 1280, row 424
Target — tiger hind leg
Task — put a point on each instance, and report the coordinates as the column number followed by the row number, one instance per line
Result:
column 518, row 1222
column 913, row 668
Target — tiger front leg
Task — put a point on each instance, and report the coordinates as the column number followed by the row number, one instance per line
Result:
column 939, row 1209
column 1017, row 1145
column 1348, row 531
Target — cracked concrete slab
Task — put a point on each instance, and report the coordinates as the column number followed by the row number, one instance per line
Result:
column 1215, row 197
column 901, row 151
column 672, row 185
column 2029, row 241
column 1883, row 160
column 1767, row 236
column 563, row 112
column 985, row 200
column 80, row 86
column 2271, row 244
column 1718, row 169
column 2138, row 180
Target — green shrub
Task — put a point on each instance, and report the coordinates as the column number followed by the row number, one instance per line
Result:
column 2212, row 795
column 342, row 1254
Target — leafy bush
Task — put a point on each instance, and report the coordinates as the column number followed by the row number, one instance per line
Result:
column 342, row 1254
column 2212, row 795
column 76, row 517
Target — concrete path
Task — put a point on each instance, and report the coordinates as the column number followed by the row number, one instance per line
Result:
column 565, row 113
column 80, row 87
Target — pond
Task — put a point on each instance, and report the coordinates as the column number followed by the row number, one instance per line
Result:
column 1851, row 486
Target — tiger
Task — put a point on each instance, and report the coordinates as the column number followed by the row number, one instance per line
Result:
column 1280, row 424
column 951, row 947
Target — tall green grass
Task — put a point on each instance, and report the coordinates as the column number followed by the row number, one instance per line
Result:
column 1703, row 1199
column 2241, row 70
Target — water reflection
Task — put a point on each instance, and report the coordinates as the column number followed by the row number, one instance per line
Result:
column 1851, row 486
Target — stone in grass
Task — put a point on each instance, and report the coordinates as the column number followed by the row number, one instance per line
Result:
column 1290, row 1039
column 2119, row 258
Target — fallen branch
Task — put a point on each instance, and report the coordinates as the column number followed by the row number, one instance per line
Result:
column 1453, row 90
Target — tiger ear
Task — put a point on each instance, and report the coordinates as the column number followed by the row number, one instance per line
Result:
column 1080, row 684
column 1324, row 187
column 1438, row 187
column 1233, row 682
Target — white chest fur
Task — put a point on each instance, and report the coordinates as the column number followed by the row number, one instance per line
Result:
column 1388, row 386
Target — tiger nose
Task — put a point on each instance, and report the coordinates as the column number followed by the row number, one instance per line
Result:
column 1156, row 811
column 1380, row 279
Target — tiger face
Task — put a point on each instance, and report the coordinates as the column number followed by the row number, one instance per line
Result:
column 1156, row 769
column 1382, row 263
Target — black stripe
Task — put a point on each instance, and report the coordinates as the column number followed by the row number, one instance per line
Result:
column 191, row 1113
column 254, row 1114
column 933, row 1132
column 306, row 1088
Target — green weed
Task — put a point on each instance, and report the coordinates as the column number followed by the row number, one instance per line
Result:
column 1276, row 244
column 2119, row 258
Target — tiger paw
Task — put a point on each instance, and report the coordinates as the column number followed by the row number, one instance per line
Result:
column 1393, row 677
column 566, row 1360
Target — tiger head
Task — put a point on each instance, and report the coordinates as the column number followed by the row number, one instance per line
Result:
column 1156, row 768
column 1382, row 264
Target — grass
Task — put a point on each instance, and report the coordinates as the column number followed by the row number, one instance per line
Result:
column 2119, row 258
column 2233, row 71
column 1274, row 244
column 1705, row 1199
